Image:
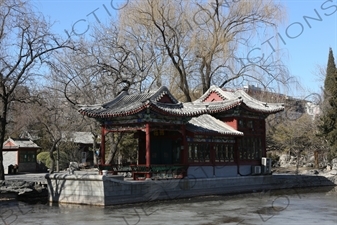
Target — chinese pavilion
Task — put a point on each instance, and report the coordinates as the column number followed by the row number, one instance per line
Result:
column 221, row 134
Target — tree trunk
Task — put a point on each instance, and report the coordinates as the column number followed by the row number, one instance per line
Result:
column 51, row 155
column 51, row 169
column 316, row 159
column 113, row 149
column 2, row 171
column 58, row 161
column 3, row 120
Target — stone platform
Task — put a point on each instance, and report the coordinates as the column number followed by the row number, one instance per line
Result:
column 112, row 190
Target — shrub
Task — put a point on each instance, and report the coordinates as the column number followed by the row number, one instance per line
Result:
column 45, row 159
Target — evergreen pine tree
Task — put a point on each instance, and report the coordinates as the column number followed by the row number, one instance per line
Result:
column 329, row 83
column 328, row 125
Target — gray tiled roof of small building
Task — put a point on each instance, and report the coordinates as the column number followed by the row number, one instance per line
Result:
column 23, row 143
column 208, row 124
column 78, row 137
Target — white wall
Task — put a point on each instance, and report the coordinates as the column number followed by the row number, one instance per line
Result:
column 10, row 157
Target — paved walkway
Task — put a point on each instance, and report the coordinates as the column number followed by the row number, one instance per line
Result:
column 38, row 177
column 31, row 177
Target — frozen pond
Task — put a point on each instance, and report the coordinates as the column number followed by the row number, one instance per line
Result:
column 306, row 206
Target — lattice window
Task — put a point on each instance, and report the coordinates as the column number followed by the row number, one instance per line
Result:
column 250, row 148
column 27, row 157
column 198, row 152
column 224, row 153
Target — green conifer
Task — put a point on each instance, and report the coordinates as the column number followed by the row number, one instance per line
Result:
column 328, row 125
column 330, row 83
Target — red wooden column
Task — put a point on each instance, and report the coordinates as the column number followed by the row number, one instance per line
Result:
column 148, row 150
column 103, row 144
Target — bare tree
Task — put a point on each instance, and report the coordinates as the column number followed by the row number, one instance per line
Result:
column 100, row 69
column 57, row 120
column 206, row 42
column 103, row 66
column 26, row 42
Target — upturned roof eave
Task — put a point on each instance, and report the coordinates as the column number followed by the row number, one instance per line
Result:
column 200, row 108
column 102, row 115
column 262, row 110
column 263, row 107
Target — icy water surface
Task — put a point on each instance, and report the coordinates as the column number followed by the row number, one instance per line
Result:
column 305, row 206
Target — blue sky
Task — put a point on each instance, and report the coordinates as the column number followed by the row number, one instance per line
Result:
column 305, row 41
column 310, row 49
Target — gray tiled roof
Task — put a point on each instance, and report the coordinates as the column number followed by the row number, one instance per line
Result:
column 247, row 100
column 127, row 104
column 208, row 124
column 78, row 137
column 19, row 143
column 194, row 109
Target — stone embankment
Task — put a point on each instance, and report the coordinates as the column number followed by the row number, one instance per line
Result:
column 111, row 190
column 21, row 190
column 32, row 188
